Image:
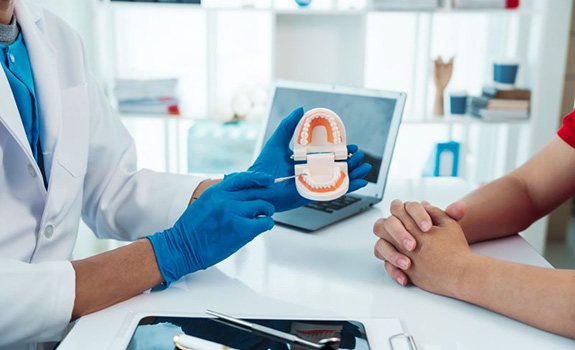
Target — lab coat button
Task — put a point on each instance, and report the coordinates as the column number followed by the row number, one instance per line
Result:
column 31, row 170
column 49, row 231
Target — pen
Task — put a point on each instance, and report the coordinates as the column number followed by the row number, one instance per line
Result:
column 186, row 342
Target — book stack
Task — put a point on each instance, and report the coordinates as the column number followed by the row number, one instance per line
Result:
column 403, row 5
column 154, row 96
column 496, row 105
column 171, row 1
column 486, row 4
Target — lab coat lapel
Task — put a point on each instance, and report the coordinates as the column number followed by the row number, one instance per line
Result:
column 10, row 116
column 45, row 69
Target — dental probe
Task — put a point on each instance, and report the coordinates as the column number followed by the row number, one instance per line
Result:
column 282, row 179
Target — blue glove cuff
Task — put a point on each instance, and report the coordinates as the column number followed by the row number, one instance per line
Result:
column 175, row 259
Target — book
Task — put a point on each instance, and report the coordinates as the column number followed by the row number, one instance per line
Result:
column 404, row 4
column 486, row 4
column 150, row 106
column 135, row 89
column 497, row 109
column 503, row 115
column 512, row 94
column 505, row 104
column 153, row 96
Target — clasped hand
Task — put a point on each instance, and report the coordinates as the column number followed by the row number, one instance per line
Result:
column 423, row 245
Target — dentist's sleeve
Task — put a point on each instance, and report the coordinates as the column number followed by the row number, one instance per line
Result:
column 30, row 314
column 120, row 202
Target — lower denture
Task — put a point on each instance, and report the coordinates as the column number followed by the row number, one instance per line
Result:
column 333, row 187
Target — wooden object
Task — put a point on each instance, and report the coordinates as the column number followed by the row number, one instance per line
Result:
column 442, row 72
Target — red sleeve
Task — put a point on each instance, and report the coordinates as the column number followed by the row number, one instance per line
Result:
column 567, row 131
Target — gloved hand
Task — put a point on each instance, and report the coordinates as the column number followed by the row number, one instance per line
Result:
column 221, row 221
column 275, row 159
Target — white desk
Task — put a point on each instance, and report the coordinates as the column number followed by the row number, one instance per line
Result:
column 332, row 273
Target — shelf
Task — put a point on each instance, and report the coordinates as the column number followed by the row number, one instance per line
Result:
column 460, row 120
column 154, row 116
column 445, row 120
column 309, row 12
column 324, row 12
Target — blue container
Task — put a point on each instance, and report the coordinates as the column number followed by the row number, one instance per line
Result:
column 303, row 3
column 505, row 73
column 458, row 103
column 443, row 160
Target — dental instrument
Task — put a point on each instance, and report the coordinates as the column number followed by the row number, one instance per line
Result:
column 324, row 344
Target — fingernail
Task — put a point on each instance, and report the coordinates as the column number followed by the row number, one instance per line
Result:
column 425, row 226
column 403, row 263
column 401, row 280
column 408, row 244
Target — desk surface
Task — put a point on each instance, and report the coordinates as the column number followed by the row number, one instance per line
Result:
column 332, row 273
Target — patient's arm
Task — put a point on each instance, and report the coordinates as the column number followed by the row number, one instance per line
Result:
column 503, row 207
column 444, row 264
column 540, row 297
column 512, row 203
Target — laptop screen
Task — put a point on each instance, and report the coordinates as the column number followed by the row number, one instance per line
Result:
column 367, row 119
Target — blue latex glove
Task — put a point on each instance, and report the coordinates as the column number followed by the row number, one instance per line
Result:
column 275, row 159
column 222, row 220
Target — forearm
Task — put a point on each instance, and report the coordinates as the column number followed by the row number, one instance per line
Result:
column 500, row 208
column 540, row 297
column 109, row 278
column 509, row 205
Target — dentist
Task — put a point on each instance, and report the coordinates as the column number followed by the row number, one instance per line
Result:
column 64, row 155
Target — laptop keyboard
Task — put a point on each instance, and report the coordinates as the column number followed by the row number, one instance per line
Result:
column 332, row 206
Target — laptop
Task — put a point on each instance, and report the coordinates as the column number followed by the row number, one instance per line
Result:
column 371, row 119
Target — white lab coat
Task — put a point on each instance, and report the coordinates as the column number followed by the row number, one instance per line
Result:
column 90, row 161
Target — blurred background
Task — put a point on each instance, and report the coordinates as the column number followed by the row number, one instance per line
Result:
column 192, row 81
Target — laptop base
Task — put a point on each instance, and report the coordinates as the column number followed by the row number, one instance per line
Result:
column 309, row 220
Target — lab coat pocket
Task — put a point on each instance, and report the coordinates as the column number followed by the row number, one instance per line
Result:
column 74, row 138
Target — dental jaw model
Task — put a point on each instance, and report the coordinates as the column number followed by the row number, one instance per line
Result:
column 320, row 142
